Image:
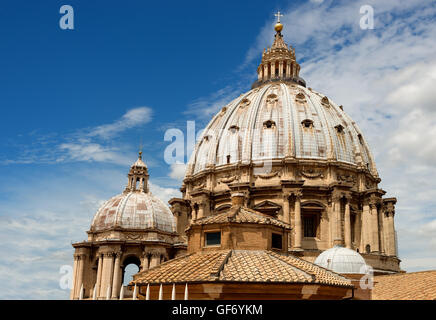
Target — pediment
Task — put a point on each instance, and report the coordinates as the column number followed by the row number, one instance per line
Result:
column 267, row 205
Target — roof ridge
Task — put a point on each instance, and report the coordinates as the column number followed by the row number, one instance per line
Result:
column 279, row 257
column 406, row 273
column 216, row 270
column 331, row 272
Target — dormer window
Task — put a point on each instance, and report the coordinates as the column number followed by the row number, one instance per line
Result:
column 228, row 159
column 300, row 96
column 339, row 128
column 233, row 128
column 360, row 138
column 325, row 101
column 245, row 102
column 272, row 98
column 212, row 238
column 269, row 124
column 307, row 123
column 276, row 241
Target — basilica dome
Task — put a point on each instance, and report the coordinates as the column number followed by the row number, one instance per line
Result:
column 296, row 155
column 280, row 118
column 277, row 121
column 136, row 208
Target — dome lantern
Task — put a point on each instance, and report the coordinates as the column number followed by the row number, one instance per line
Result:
column 138, row 176
column 278, row 62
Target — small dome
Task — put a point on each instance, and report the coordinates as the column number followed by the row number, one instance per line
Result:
column 139, row 163
column 342, row 260
column 134, row 210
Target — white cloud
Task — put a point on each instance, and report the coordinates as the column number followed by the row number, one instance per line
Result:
column 132, row 118
column 177, row 171
column 206, row 107
column 85, row 150
column 83, row 146
column 165, row 194
column 95, row 144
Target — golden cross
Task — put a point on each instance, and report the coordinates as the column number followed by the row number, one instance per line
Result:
column 278, row 15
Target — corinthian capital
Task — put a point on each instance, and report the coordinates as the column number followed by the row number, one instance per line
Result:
column 298, row 193
column 286, row 195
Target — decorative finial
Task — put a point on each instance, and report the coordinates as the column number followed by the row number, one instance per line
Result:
column 278, row 27
column 140, row 150
column 278, row 15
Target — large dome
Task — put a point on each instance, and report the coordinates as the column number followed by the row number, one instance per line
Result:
column 134, row 210
column 281, row 120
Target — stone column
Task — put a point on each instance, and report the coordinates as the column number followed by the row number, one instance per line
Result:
column 200, row 211
column 155, row 259
column 298, row 224
column 281, row 69
column 116, row 276
column 81, row 265
column 288, row 69
column 141, row 184
column 265, row 71
column 365, row 237
column 286, row 213
column 106, row 280
column 374, row 229
column 273, row 69
column 145, row 261
column 347, row 225
column 337, row 226
column 392, row 250
column 99, row 273
column 382, row 230
column 75, row 268
column 193, row 213
column 358, row 229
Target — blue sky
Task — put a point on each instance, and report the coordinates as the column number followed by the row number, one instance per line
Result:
column 77, row 103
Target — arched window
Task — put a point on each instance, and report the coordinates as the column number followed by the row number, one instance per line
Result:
column 130, row 267
column 368, row 248
column 269, row 124
column 307, row 123
column 325, row 101
column 311, row 217
column 339, row 128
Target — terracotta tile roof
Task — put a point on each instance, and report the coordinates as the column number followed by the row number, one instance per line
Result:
column 320, row 274
column 405, row 286
column 241, row 215
column 239, row 266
